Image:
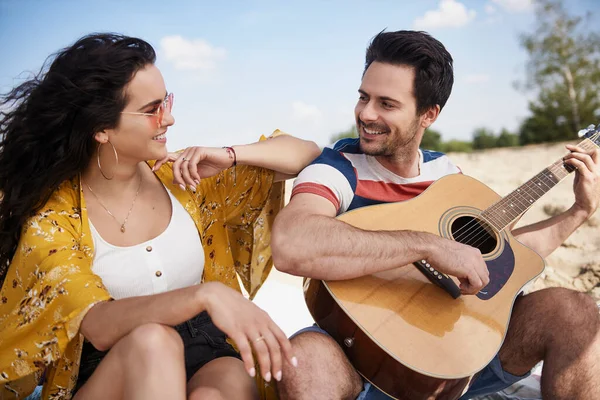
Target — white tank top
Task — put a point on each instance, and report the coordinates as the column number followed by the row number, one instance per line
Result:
column 172, row 260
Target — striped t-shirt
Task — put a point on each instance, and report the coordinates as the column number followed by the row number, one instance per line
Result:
column 351, row 179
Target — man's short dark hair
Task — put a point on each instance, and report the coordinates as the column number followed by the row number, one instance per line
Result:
column 431, row 61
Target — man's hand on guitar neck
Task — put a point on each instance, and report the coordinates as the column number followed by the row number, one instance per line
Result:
column 459, row 260
column 586, row 185
column 546, row 236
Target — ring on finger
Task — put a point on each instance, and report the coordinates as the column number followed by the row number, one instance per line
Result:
column 258, row 339
column 185, row 159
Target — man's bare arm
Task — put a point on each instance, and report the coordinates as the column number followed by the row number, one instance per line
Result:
column 308, row 241
column 546, row 236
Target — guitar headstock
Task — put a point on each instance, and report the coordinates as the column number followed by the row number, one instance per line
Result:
column 591, row 132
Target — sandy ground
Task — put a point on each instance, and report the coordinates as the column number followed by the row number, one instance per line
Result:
column 575, row 265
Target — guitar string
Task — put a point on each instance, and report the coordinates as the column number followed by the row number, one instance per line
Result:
column 527, row 189
column 531, row 190
column 481, row 238
column 474, row 224
column 480, row 234
column 585, row 144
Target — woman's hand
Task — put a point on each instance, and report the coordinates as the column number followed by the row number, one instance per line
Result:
column 249, row 326
column 195, row 163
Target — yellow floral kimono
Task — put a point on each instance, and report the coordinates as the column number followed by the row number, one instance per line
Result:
column 50, row 284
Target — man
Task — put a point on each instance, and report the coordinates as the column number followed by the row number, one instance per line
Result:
column 407, row 79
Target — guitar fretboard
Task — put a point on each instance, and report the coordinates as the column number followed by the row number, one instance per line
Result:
column 502, row 213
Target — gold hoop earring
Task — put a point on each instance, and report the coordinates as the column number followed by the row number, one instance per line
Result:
column 116, row 160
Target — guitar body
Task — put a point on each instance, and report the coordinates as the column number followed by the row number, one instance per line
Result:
column 406, row 335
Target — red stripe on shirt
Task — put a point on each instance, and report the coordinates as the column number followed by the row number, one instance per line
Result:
column 319, row 190
column 390, row 192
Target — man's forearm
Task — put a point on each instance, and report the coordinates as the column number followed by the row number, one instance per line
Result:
column 107, row 322
column 324, row 248
column 546, row 236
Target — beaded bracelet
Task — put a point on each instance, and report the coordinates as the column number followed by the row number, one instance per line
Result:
column 231, row 152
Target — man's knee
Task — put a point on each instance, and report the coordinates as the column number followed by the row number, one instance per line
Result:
column 316, row 347
column 322, row 366
column 311, row 338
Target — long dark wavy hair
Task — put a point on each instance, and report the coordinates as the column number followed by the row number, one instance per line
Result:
column 47, row 124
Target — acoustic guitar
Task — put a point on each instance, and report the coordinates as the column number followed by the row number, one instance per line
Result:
column 408, row 330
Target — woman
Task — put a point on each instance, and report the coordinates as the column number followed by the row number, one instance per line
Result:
column 103, row 252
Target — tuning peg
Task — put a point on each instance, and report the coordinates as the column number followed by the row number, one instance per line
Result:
column 585, row 131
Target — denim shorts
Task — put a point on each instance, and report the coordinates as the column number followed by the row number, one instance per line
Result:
column 202, row 341
column 492, row 378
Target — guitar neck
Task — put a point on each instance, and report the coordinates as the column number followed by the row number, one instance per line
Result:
column 502, row 213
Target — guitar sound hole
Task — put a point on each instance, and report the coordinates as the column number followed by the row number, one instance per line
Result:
column 473, row 232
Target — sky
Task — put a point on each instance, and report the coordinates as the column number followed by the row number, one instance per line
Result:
column 240, row 69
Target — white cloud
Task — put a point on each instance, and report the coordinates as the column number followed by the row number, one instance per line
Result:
column 515, row 5
column 477, row 78
column 450, row 14
column 191, row 54
column 490, row 9
column 305, row 112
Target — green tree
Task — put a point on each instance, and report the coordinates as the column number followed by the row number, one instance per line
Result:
column 350, row 133
column 432, row 140
column 457, row 146
column 483, row 138
column 507, row 139
column 564, row 71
